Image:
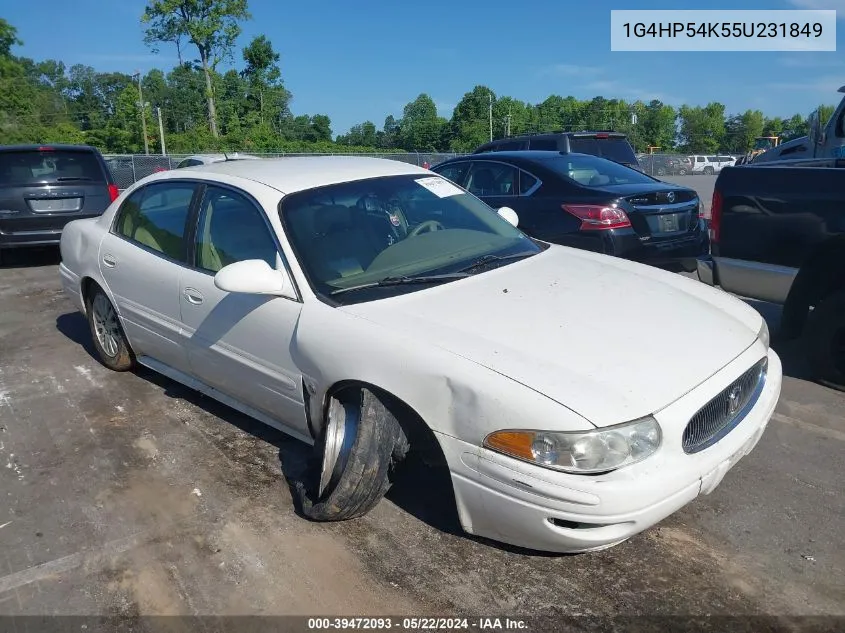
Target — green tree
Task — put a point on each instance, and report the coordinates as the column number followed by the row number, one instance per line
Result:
column 210, row 25
column 470, row 124
column 742, row 129
column 420, row 127
column 265, row 87
column 702, row 129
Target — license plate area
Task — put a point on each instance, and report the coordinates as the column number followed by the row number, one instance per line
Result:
column 55, row 205
column 667, row 223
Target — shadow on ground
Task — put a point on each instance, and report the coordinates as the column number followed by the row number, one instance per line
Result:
column 30, row 257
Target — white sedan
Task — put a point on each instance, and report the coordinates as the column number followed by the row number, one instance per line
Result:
column 372, row 308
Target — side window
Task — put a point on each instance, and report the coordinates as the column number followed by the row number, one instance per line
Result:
column 527, row 182
column 509, row 146
column 493, row 179
column 699, row 159
column 839, row 130
column 155, row 217
column 544, row 144
column 231, row 229
column 456, row 172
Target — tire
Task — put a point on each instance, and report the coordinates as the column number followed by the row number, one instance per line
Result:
column 1, row 256
column 112, row 347
column 708, row 171
column 824, row 334
column 350, row 474
column 682, row 172
column 661, row 171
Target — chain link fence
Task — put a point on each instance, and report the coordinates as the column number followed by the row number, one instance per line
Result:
column 129, row 168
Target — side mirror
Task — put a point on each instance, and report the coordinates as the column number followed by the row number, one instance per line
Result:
column 510, row 215
column 815, row 123
column 253, row 276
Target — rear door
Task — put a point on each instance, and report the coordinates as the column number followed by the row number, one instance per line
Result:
column 495, row 182
column 42, row 189
column 140, row 260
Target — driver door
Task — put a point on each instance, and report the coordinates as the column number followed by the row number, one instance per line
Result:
column 240, row 344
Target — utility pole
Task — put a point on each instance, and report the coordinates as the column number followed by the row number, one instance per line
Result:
column 508, row 123
column 490, row 114
column 143, row 114
column 161, row 132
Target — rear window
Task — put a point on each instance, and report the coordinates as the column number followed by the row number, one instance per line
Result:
column 590, row 171
column 34, row 166
column 615, row 149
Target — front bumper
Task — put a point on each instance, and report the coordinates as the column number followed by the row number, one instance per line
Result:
column 521, row 504
column 706, row 268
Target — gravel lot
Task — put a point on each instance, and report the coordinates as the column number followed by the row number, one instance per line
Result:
column 127, row 494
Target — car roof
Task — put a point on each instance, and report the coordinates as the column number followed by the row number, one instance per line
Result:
column 51, row 146
column 222, row 157
column 527, row 155
column 298, row 173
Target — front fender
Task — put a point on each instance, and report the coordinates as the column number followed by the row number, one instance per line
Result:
column 451, row 394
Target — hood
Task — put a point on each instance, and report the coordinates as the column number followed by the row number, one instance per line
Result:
column 610, row 339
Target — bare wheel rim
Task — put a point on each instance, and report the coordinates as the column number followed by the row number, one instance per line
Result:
column 341, row 430
column 106, row 327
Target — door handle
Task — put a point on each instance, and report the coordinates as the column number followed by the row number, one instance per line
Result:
column 192, row 296
column 109, row 260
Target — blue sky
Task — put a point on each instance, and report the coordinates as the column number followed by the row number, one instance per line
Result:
column 363, row 60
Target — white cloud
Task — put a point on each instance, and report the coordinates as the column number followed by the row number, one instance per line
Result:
column 822, row 5
column 615, row 89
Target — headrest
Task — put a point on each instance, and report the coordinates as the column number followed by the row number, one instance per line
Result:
column 331, row 218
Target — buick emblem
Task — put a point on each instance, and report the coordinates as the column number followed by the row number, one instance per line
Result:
column 671, row 196
column 733, row 399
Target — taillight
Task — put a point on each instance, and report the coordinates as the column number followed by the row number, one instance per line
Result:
column 715, row 215
column 598, row 217
column 114, row 192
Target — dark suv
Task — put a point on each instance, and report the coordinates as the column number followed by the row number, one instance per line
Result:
column 42, row 188
column 610, row 145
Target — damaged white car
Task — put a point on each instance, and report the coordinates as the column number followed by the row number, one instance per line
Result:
column 363, row 305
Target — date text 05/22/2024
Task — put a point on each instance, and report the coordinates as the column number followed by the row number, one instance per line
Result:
column 417, row 624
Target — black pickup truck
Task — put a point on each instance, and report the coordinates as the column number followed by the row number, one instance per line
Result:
column 777, row 234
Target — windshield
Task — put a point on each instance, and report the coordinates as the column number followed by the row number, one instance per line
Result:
column 591, row 171
column 34, row 166
column 764, row 143
column 361, row 232
column 615, row 149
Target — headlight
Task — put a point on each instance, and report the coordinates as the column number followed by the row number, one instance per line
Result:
column 763, row 334
column 581, row 452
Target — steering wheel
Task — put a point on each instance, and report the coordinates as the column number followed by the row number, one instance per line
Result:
column 426, row 227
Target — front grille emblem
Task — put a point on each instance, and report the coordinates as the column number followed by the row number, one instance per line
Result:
column 671, row 197
column 734, row 399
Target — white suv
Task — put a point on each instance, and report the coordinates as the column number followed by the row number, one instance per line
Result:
column 710, row 164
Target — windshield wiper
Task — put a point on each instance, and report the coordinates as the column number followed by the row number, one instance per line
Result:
column 402, row 280
column 68, row 178
column 489, row 259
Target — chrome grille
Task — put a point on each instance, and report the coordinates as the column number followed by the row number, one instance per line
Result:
column 719, row 416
